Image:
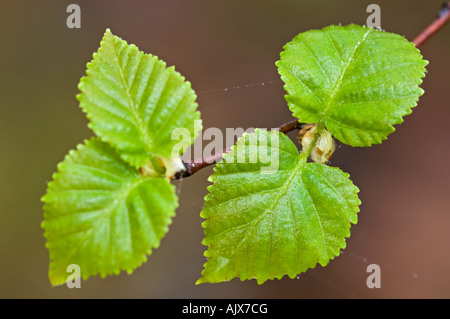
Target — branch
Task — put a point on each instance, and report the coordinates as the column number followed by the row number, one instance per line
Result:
column 196, row 165
column 435, row 26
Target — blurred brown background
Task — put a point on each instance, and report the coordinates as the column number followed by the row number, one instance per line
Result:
column 404, row 223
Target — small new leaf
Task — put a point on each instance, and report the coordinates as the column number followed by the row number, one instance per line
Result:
column 264, row 226
column 357, row 81
column 135, row 103
column 102, row 215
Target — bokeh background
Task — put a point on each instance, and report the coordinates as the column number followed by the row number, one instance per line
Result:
column 227, row 49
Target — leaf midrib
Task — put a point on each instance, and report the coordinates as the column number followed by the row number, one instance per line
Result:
column 323, row 115
column 107, row 214
column 140, row 124
column 282, row 190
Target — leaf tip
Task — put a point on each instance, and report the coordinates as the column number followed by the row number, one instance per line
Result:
column 199, row 281
column 108, row 34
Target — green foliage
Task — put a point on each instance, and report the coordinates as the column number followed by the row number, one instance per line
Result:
column 101, row 214
column 110, row 202
column 269, row 212
column 134, row 102
column 265, row 225
column 357, row 81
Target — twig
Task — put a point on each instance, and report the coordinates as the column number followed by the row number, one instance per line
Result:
column 435, row 26
column 196, row 165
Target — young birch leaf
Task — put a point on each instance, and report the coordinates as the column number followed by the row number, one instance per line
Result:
column 284, row 221
column 135, row 103
column 102, row 215
column 357, row 81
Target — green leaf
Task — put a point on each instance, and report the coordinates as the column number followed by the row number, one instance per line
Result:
column 135, row 103
column 102, row 215
column 265, row 225
column 357, row 81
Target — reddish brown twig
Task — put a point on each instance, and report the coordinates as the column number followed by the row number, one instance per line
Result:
column 196, row 165
column 435, row 26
